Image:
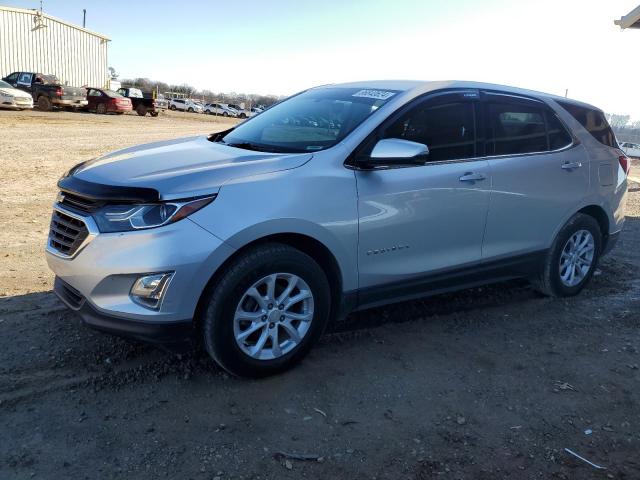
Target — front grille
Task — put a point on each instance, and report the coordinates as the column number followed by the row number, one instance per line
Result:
column 78, row 202
column 66, row 233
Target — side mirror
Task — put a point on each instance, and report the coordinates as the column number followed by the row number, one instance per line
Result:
column 398, row 151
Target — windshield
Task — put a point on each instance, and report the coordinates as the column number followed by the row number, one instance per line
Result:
column 4, row 84
column 311, row 121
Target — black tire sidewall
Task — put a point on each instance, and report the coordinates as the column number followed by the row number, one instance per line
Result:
column 44, row 103
column 217, row 328
column 578, row 222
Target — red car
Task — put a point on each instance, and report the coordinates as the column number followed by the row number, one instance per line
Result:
column 105, row 101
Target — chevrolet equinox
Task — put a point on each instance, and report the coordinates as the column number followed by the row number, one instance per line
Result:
column 340, row 198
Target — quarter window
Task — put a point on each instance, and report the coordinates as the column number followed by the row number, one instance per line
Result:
column 593, row 121
column 448, row 130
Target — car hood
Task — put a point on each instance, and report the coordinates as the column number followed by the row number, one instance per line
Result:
column 14, row 92
column 182, row 168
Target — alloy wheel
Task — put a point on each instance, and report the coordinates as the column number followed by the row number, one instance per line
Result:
column 577, row 257
column 273, row 316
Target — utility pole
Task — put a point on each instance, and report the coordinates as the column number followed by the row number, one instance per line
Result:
column 84, row 17
column 566, row 92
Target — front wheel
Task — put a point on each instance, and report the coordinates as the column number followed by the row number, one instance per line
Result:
column 265, row 313
column 154, row 114
column 44, row 103
column 572, row 259
column 101, row 109
column 141, row 110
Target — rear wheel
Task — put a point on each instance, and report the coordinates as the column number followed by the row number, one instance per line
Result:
column 154, row 114
column 172, row 107
column 101, row 109
column 44, row 103
column 265, row 313
column 572, row 258
column 141, row 110
column 225, row 114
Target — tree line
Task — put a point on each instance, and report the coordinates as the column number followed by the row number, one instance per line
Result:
column 148, row 85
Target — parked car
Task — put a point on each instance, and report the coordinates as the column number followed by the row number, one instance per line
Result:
column 253, row 239
column 631, row 149
column 47, row 91
column 186, row 105
column 106, row 101
column 220, row 109
column 13, row 98
column 241, row 112
column 143, row 103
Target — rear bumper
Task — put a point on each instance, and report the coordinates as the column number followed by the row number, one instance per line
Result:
column 175, row 336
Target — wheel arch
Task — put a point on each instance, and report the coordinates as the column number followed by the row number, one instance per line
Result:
column 597, row 212
column 317, row 250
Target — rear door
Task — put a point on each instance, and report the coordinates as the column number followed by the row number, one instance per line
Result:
column 415, row 221
column 540, row 175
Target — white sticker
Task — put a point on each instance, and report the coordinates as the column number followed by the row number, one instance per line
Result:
column 377, row 94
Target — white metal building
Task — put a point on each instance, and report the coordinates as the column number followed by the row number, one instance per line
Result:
column 32, row 41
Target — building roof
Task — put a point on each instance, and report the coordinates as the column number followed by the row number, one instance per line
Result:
column 53, row 19
column 631, row 20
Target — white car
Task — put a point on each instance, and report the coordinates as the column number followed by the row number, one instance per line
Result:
column 220, row 109
column 185, row 104
column 630, row 149
column 13, row 98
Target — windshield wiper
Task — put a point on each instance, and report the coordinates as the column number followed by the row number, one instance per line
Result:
column 251, row 146
column 263, row 148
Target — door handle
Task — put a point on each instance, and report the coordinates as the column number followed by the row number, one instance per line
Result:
column 472, row 177
column 571, row 165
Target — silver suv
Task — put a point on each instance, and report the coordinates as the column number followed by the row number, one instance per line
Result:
column 340, row 198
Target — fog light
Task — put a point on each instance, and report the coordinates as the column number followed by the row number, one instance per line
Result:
column 149, row 290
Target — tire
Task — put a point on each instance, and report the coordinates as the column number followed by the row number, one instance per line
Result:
column 154, row 114
column 172, row 107
column 190, row 110
column 101, row 109
column 225, row 114
column 141, row 110
column 242, row 115
column 44, row 103
column 231, row 292
column 550, row 281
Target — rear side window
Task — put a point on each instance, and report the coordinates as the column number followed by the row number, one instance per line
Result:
column 514, row 129
column 558, row 135
column 447, row 129
column 593, row 121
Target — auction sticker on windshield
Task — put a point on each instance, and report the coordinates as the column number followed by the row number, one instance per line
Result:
column 377, row 94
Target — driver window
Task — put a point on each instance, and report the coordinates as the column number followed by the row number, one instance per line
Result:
column 447, row 129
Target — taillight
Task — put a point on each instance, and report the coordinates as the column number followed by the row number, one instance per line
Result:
column 59, row 92
column 625, row 163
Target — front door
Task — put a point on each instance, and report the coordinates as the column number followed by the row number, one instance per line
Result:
column 420, row 220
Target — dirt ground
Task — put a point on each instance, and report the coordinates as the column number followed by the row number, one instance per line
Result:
column 488, row 383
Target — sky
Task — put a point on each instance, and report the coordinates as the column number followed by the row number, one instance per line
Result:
column 284, row 46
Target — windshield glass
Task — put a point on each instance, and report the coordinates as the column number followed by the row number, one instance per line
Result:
column 4, row 85
column 311, row 121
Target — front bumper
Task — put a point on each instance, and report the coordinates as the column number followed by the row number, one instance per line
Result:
column 176, row 336
column 69, row 103
column 16, row 105
column 104, row 269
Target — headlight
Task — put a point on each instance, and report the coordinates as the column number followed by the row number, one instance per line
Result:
column 125, row 218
